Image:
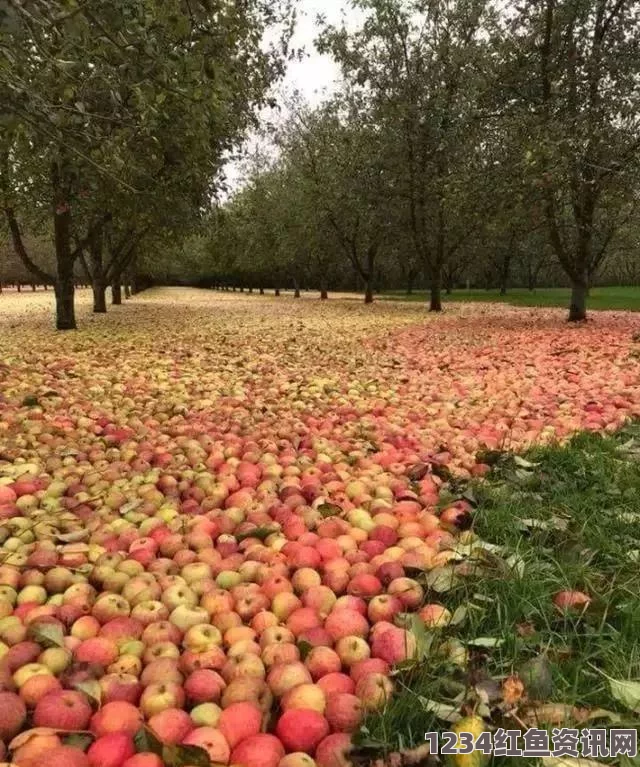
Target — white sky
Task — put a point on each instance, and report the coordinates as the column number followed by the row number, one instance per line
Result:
column 316, row 76
column 316, row 73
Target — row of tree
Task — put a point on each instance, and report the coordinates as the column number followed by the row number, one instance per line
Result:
column 470, row 142
column 117, row 120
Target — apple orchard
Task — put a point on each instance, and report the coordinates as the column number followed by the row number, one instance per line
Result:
column 214, row 507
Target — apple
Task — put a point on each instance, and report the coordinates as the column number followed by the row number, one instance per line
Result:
column 171, row 726
column 321, row 661
column 260, row 750
column 301, row 729
column 284, row 677
column 144, row 759
column 333, row 750
column 159, row 696
column 110, row 750
column 374, row 691
column 13, row 714
column 435, row 616
column 117, row 716
column 344, row 712
column 63, row 710
column 204, row 685
column 206, row 715
column 248, row 689
column 212, row 741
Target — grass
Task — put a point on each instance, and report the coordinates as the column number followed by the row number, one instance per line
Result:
column 563, row 518
column 627, row 298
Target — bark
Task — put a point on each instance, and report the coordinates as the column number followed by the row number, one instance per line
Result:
column 65, row 283
column 296, row 289
column 250, row 290
column 262, row 291
column 435, row 291
column 324, row 293
column 116, row 292
column 579, row 293
column 368, row 291
column 19, row 288
column 277, row 292
column 127, row 290
column 33, row 287
column 99, row 297
column 410, row 281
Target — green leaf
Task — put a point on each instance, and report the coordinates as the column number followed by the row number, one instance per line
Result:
column 329, row 510
column 304, row 648
column 47, row 635
column 185, row 756
column 30, row 401
column 444, row 711
column 91, row 688
column 523, row 463
column 81, row 740
column 459, row 615
column 146, row 740
column 260, row 533
column 442, row 579
column 487, row 642
column 626, row 692
column 537, row 677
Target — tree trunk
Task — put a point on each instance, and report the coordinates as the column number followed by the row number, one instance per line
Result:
column 250, row 290
column 99, row 297
column 368, row 290
column 65, row 310
column 410, row 280
column 531, row 281
column 277, row 292
column 19, row 288
column 116, row 292
column 435, row 291
column 65, row 282
column 448, row 282
column 262, row 291
column 579, row 293
column 324, row 294
column 33, row 287
column 127, row 289
column 296, row 289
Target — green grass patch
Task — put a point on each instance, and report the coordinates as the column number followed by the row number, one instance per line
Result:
column 621, row 298
column 562, row 518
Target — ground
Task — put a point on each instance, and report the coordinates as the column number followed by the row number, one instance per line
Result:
column 620, row 298
column 183, row 416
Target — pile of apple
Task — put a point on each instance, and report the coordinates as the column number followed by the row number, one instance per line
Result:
column 226, row 606
column 205, row 548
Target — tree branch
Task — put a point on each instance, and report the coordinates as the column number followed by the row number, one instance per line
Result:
column 21, row 251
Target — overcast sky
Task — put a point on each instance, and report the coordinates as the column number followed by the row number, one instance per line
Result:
column 315, row 73
column 315, row 76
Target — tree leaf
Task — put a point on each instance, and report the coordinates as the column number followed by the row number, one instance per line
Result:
column 626, row 692
column 329, row 510
column 47, row 635
column 305, row 648
column 487, row 642
column 442, row 579
column 261, row 533
column 91, row 688
column 146, row 740
column 185, row 756
column 81, row 740
column 537, row 677
column 444, row 711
